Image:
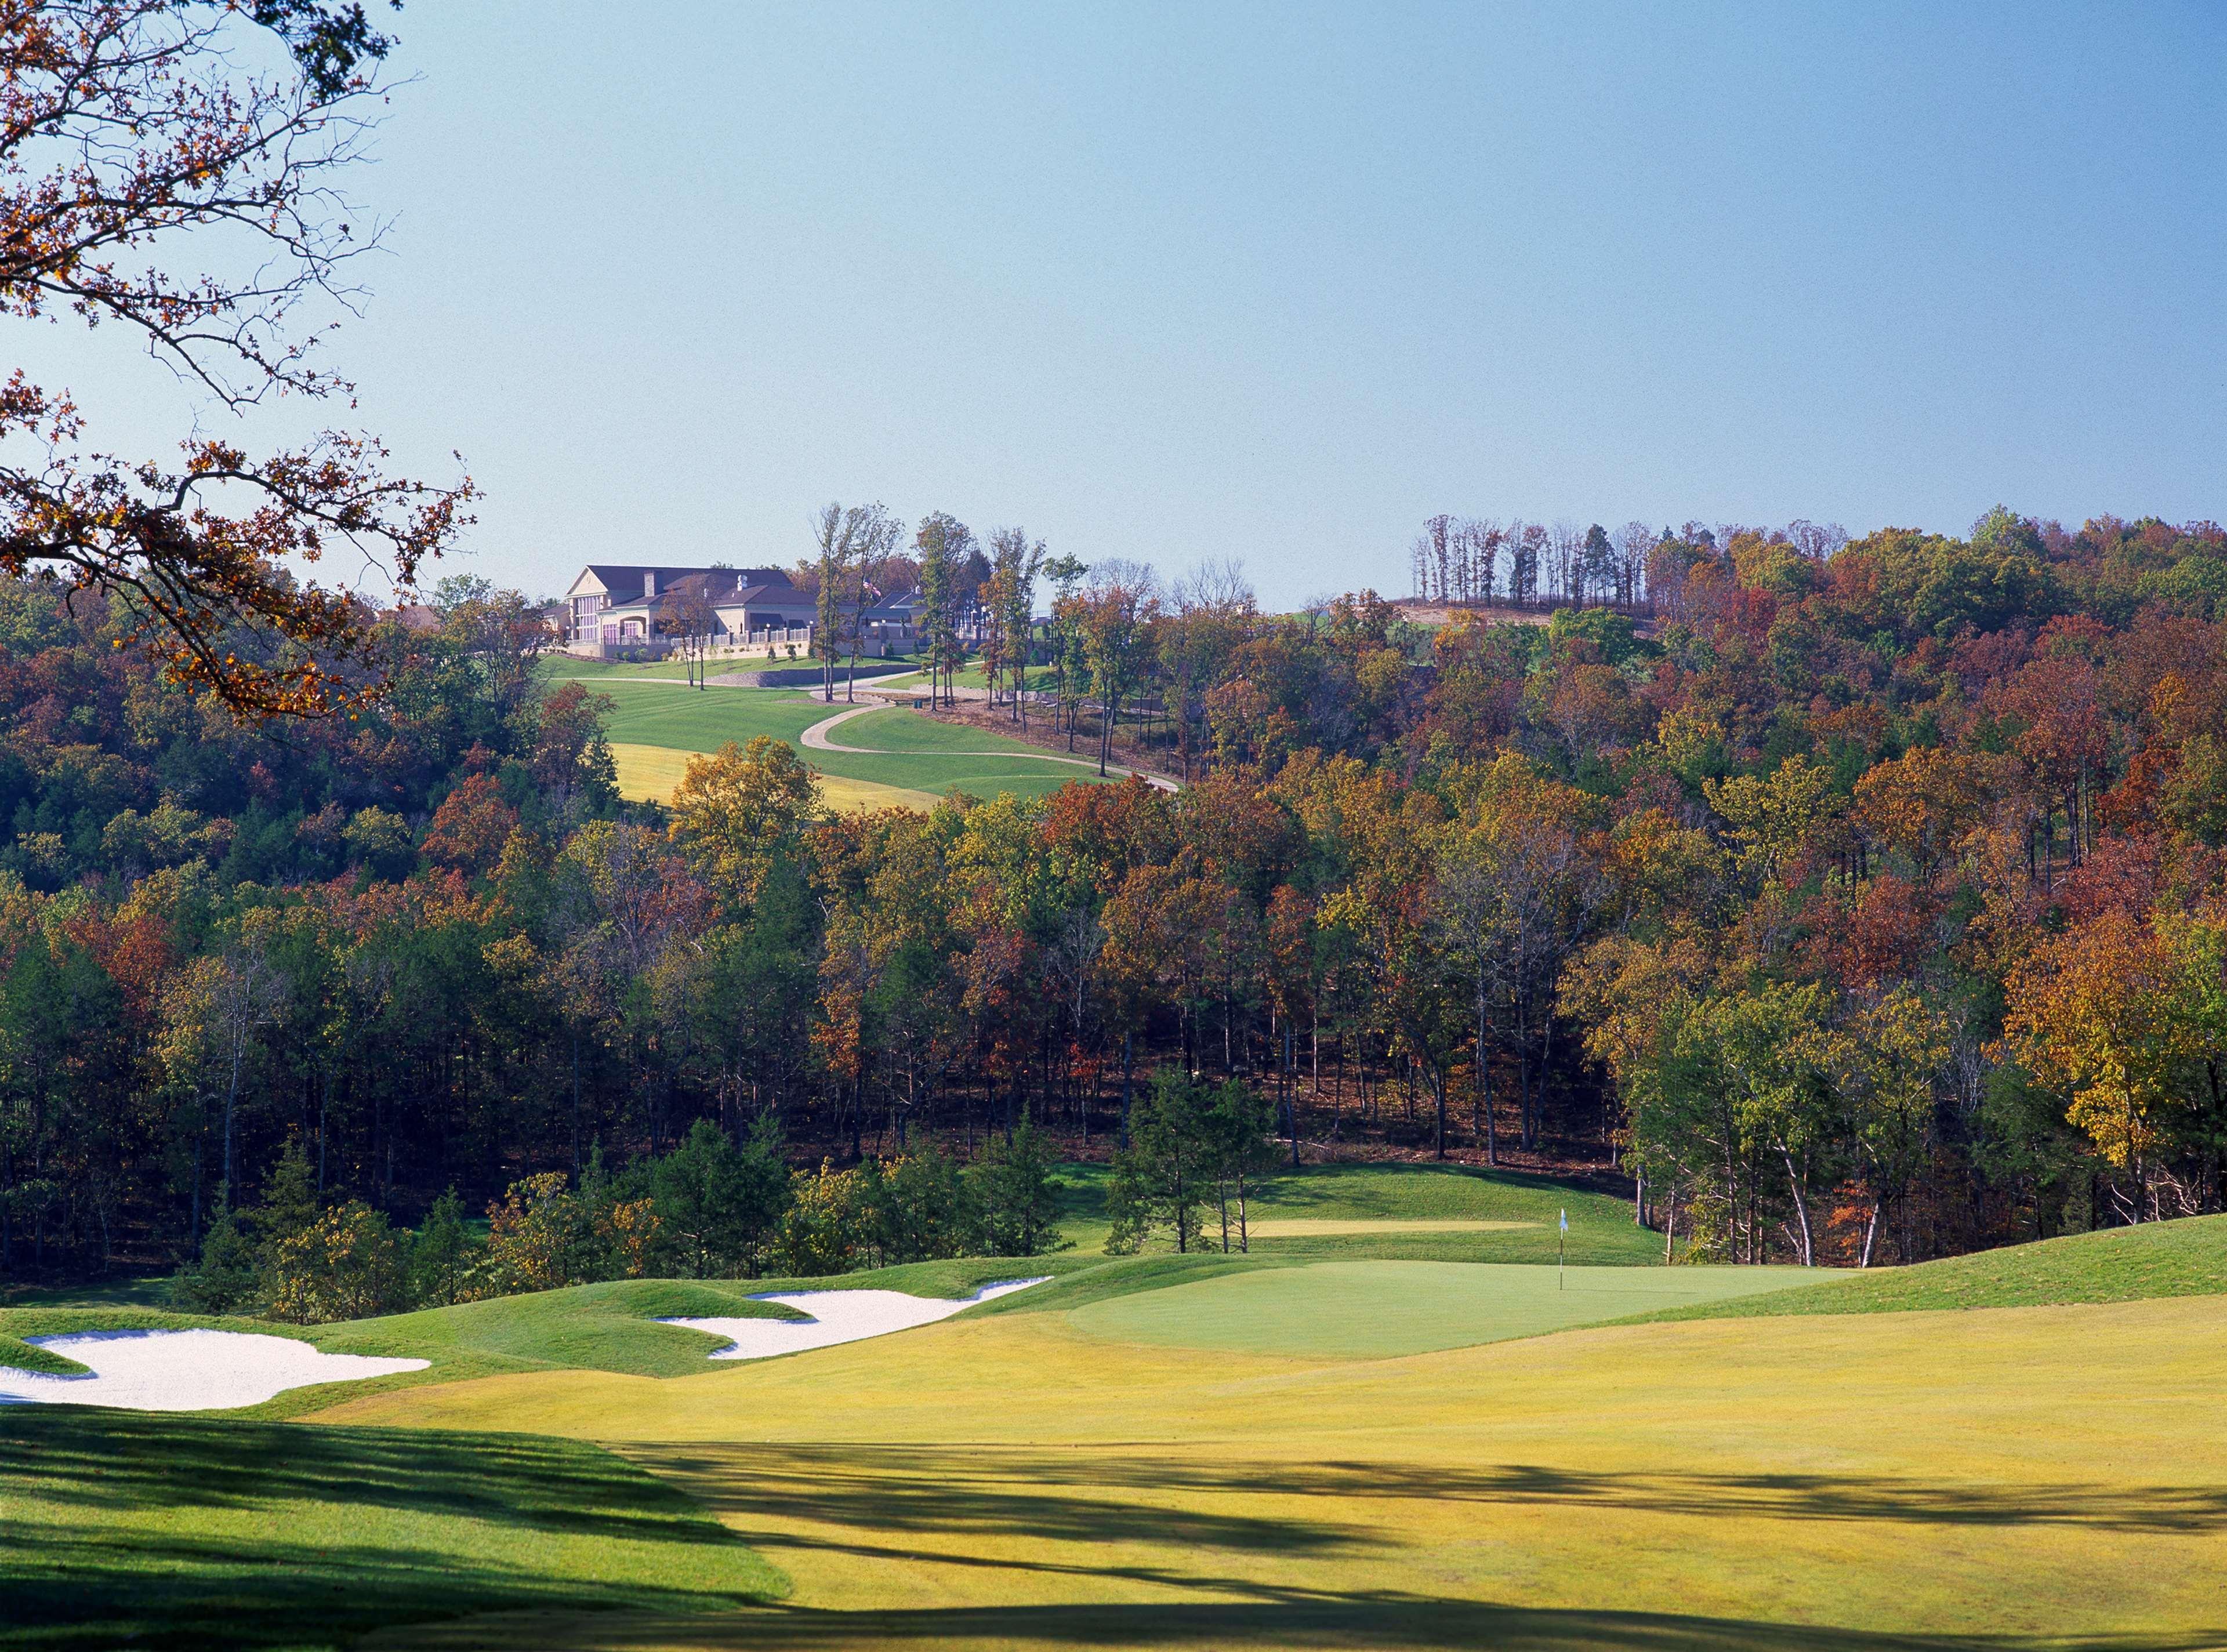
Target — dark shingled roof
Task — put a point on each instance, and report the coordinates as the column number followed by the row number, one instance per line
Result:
column 624, row 584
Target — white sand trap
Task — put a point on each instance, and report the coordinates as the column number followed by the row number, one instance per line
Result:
column 838, row 1317
column 184, row 1370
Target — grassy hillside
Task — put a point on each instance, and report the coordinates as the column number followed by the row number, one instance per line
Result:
column 1240, row 1451
column 183, row 1531
column 1914, row 1484
column 2167, row 1259
column 652, row 772
column 927, row 755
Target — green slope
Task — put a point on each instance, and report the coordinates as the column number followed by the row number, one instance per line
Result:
column 608, row 1327
column 1381, row 1309
column 927, row 755
column 2186, row 1258
column 189, row 1532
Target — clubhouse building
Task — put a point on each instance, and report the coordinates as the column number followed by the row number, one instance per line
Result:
column 615, row 612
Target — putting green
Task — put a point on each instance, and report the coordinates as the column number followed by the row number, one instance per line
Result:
column 1378, row 1310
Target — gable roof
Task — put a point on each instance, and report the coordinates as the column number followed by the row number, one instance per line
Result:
column 622, row 582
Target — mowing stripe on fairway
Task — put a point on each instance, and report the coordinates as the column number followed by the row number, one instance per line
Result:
column 2016, row 1479
column 1383, row 1309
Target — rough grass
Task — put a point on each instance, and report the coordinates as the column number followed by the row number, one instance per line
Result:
column 2040, row 1479
column 191, row 1532
column 2167, row 1259
column 1378, row 1310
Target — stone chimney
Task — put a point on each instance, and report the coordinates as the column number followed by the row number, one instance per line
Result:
column 648, row 583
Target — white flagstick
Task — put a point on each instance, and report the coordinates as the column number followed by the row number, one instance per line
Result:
column 1558, row 1250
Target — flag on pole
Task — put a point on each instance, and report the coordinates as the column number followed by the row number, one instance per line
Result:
column 1558, row 1249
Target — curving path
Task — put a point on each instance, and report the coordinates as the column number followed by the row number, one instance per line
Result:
column 815, row 738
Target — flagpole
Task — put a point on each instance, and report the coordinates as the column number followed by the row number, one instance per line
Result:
column 1560, row 1231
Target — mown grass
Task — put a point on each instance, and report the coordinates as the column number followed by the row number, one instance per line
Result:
column 1907, row 1482
column 1018, row 1476
column 927, row 758
column 1351, row 1196
column 558, row 667
column 607, row 1327
column 190, row 1532
column 2186, row 1258
column 135, row 1291
column 652, row 772
column 611, row 1327
column 1381, row 1309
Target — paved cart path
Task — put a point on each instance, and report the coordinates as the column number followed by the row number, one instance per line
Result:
column 815, row 739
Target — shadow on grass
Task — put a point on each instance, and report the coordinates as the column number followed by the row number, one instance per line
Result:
column 128, row 1527
column 103, row 1591
column 1062, row 1496
column 146, row 1291
column 912, row 1492
column 1291, row 1619
column 68, row 1457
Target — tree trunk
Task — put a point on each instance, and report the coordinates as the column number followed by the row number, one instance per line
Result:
column 1801, row 1209
column 1485, row 1084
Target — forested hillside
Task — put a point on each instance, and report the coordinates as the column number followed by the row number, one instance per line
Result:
column 1866, row 901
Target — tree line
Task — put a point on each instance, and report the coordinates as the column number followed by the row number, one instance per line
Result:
column 1861, row 909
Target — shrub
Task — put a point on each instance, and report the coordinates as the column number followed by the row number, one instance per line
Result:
column 440, row 1255
column 913, row 1209
column 346, row 1264
column 540, row 1236
column 819, row 1233
column 1016, row 1200
column 543, row 1235
column 224, row 1277
column 720, row 1206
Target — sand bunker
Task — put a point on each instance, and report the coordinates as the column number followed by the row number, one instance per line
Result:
column 184, row 1370
column 838, row 1317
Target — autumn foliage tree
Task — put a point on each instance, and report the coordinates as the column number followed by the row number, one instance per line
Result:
column 160, row 172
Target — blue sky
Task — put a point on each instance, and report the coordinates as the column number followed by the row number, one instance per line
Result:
column 1276, row 282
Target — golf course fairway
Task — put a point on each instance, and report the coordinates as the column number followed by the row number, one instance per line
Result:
column 2049, row 1477
column 911, row 757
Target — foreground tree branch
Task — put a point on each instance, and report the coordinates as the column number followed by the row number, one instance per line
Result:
column 127, row 126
